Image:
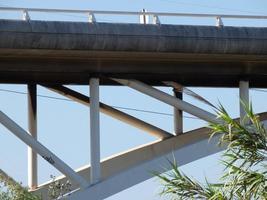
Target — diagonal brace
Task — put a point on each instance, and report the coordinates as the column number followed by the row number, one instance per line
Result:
column 42, row 150
column 189, row 146
column 166, row 98
column 108, row 110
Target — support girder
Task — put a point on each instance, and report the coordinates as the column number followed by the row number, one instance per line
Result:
column 37, row 147
column 144, row 159
column 168, row 99
column 156, row 159
column 110, row 111
column 135, row 166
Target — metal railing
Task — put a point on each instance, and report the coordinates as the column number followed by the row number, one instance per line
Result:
column 144, row 16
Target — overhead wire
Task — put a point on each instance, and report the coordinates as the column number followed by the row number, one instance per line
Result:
column 259, row 90
column 117, row 107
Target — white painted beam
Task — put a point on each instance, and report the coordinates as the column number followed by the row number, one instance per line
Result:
column 143, row 171
column 244, row 98
column 166, row 98
column 95, row 131
column 112, row 112
column 42, row 150
column 183, row 148
column 144, row 158
column 142, row 155
column 32, row 124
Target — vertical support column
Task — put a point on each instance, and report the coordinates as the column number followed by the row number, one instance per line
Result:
column 178, row 115
column 32, row 124
column 244, row 97
column 95, row 131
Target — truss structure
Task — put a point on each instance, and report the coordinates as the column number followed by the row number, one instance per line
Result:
column 126, row 169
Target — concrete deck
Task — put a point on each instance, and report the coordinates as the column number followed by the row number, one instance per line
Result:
column 72, row 52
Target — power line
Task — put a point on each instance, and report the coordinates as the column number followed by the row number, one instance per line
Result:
column 151, row 112
column 140, row 110
column 118, row 107
column 39, row 95
column 259, row 90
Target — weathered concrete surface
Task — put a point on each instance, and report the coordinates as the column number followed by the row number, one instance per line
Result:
column 132, row 37
column 71, row 52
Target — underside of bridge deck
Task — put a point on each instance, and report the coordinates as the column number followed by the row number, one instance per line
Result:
column 72, row 67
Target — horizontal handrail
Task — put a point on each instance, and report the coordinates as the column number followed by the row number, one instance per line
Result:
column 132, row 13
column 142, row 13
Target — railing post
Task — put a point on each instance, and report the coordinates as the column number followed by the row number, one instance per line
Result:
column 25, row 15
column 244, row 99
column 178, row 115
column 219, row 22
column 32, row 124
column 156, row 20
column 95, row 131
column 144, row 19
column 91, row 18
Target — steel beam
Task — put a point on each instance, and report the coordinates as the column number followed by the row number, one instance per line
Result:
column 145, row 159
column 32, row 124
column 95, row 131
column 166, row 98
column 120, row 163
column 244, row 98
column 112, row 112
column 155, row 160
column 178, row 115
column 42, row 150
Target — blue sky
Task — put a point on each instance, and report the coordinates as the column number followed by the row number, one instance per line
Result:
column 63, row 126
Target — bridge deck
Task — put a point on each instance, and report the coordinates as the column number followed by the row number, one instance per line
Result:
column 71, row 52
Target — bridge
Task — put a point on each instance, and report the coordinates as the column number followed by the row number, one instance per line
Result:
column 140, row 56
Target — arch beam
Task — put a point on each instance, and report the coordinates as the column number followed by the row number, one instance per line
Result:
column 136, row 165
column 120, row 171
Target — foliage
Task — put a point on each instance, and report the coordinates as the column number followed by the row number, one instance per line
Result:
column 11, row 190
column 58, row 189
column 245, row 173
